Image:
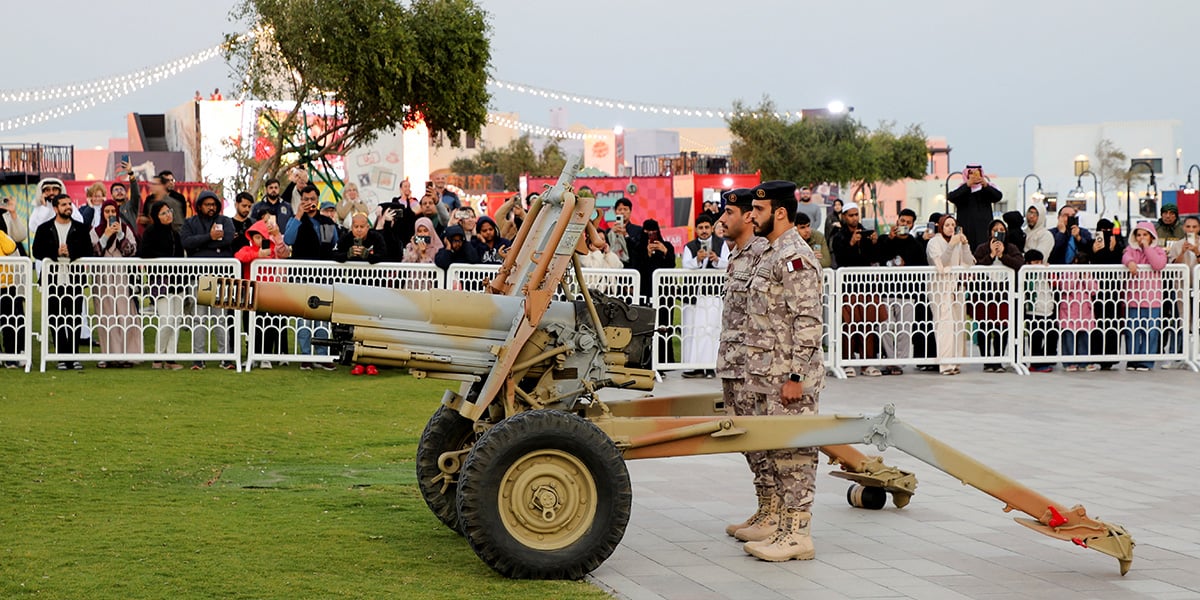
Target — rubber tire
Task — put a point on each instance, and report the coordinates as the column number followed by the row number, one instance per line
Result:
column 481, row 480
column 446, row 431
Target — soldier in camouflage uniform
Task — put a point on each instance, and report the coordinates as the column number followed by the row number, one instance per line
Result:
column 731, row 357
column 784, row 371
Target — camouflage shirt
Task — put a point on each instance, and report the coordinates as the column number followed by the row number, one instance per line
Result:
column 784, row 311
column 731, row 355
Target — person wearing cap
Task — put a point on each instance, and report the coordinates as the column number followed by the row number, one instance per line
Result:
column 1169, row 228
column 856, row 246
column 311, row 236
column 731, row 355
column 974, row 200
column 784, row 367
column 208, row 234
column 1143, row 295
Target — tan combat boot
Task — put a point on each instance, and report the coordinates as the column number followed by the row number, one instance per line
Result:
column 764, row 505
column 764, row 522
column 790, row 542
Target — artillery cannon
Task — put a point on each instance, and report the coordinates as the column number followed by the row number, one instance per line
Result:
column 528, row 463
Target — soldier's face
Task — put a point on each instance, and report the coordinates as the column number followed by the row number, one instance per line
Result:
column 763, row 217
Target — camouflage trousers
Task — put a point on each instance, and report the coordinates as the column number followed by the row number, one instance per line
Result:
column 792, row 470
column 742, row 402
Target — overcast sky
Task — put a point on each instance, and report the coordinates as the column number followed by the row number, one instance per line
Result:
column 982, row 74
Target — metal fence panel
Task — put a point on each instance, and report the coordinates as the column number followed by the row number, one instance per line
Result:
column 16, row 311
column 618, row 283
column 284, row 338
column 121, row 300
column 908, row 316
column 1104, row 314
column 688, row 307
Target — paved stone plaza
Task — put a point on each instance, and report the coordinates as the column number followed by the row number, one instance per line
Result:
column 1119, row 443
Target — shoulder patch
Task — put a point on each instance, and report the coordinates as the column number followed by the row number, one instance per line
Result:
column 795, row 265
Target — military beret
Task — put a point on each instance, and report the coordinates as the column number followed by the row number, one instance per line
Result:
column 774, row 190
column 740, row 198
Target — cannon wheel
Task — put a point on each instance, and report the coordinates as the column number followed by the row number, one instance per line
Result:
column 544, row 494
column 446, row 431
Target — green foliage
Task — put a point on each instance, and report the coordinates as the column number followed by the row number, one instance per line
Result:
column 813, row 150
column 387, row 64
column 514, row 160
column 136, row 483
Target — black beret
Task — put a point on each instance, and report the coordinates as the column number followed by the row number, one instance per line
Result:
column 740, row 198
column 774, row 190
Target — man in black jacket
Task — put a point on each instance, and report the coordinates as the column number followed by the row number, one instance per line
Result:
column 853, row 245
column 208, row 234
column 457, row 250
column 64, row 239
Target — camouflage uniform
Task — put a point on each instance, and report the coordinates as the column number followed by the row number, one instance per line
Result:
column 731, row 354
column 783, row 336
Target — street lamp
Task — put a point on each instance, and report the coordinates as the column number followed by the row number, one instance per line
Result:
column 1151, row 190
column 948, row 177
column 1189, row 187
column 1025, row 186
column 1078, row 193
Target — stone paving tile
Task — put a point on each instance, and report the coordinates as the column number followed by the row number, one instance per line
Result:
column 1075, row 439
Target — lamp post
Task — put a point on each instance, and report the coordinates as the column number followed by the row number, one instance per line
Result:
column 1078, row 192
column 1189, row 187
column 1025, row 186
column 948, row 177
column 1129, row 190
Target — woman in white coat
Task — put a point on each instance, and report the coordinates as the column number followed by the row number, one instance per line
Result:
column 948, row 248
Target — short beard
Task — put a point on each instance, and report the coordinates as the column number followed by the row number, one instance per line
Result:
column 764, row 230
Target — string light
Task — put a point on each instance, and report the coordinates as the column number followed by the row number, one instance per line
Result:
column 89, row 88
column 112, row 90
column 687, row 111
column 538, row 130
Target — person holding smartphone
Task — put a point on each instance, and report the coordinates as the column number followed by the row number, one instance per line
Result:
column 362, row 244
column 425, row 243
column 974, row 200
column 1072, row 243
column 651, row 253
column 119, row 331
column 13, row 225
column 990, row 306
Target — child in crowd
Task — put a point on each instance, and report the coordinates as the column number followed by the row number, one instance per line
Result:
column 1144, row 295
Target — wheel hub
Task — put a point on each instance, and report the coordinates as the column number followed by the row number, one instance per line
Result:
column 547, row 499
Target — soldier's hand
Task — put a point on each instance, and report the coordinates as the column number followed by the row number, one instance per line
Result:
column 792, row 392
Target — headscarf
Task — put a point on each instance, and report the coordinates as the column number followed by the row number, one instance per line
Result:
column 941, row 222
column 435, row 242
column 104, row 224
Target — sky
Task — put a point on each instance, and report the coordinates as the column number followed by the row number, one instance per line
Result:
column 980, row 73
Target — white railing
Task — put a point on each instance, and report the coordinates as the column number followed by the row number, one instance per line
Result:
column 884, row 313
column 16, row 311
column 283, row 338
column 829, row 343
column 1103, row 314
column 123, row 300
column 618, row 283
column 687, row 304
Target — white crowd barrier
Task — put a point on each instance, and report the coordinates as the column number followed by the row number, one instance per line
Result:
column 1104, row 314
column 618, row 283
column 829, row 343
column 16, row 311
column 687, row 304
column 283, row 338
column 898, row 316
column 135, row 310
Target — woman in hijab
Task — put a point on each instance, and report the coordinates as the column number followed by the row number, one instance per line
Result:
column 115, row 310
column 425, row 243
column 948, row 249
column 162, row 241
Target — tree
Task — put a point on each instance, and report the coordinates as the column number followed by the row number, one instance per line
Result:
column 380, row 63
column 836, row 149
column 514, row 160
column 1112, row 168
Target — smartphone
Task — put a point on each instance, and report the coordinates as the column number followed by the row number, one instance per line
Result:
column 901, row 230
column 463, row 214
column 124, row 159
column 999, row 236
column 653, row 236
column 112, row 220
column 421, row 239
column 358, row 242
column 957, row 230
column 619, row 219
column 266, row 244
column 1191, row 239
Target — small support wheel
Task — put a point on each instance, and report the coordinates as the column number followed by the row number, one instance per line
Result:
column 861, row 496
column 544, row 494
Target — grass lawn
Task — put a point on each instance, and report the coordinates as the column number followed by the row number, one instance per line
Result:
column 211, row 484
